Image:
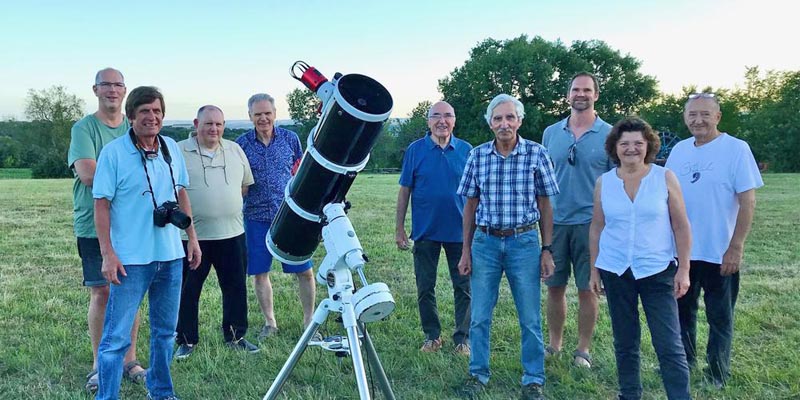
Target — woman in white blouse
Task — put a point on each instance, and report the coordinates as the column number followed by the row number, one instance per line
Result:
column 638, row 226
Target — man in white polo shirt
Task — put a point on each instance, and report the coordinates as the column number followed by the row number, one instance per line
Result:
column 219, row 174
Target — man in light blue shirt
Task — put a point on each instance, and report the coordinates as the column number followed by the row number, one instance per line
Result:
column 576, row 145
column 138, row 187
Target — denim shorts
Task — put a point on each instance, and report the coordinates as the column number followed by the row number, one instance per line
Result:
column 92, row 260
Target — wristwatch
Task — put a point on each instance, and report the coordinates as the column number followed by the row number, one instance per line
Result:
column 548, row 248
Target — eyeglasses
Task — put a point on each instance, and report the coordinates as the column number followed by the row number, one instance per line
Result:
column 702, row 96
column 118, row 85
column 572, row 154
column 211, row 165
column 438, row 116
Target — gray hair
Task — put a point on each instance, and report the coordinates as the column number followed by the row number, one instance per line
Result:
column 203, row 109
column 504, row 98
column 259, row 97
column 97, row 75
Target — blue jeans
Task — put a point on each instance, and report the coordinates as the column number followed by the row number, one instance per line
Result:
column 661, row 310
column 518, row 257
column 162, row 282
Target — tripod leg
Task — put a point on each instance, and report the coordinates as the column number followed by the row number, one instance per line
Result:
column 349, row 321
column 372, row 357
column 319, row 316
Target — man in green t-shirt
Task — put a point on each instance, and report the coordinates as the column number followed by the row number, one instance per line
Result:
column 88, row 137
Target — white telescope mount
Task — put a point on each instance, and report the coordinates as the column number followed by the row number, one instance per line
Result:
column 372, row 302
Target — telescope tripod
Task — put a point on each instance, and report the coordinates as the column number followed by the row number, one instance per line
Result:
column 338, row 301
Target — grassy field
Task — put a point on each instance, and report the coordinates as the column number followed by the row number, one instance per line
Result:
column 45, row 350
column 15, row 173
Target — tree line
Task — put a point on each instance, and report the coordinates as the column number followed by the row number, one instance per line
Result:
column 764, row 111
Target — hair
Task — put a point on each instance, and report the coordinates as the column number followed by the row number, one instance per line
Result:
column 143, row 95
column 500, row 99
column 259, row 97
column 99, row 73
column 206, row 107
column 713, row 98
column 633, row 124
column 587, row 74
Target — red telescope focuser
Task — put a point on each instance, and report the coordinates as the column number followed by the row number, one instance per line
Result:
column 310, row 76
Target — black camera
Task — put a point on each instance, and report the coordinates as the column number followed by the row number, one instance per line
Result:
column 170, row 212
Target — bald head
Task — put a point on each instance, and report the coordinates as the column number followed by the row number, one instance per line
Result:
column 441, row 121
column 99, row 77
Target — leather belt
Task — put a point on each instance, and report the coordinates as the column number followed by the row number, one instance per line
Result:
column 507, row 232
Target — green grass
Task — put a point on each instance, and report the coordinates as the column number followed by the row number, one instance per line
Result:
column 15, row 173
column 45, row 351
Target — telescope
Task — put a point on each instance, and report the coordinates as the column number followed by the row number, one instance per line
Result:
column 353, row 111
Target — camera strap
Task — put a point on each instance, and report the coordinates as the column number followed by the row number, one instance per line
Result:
column 145, row 155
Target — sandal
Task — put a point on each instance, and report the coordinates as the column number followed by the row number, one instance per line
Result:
column 550, row 351
column 134, row 377
column 582, row 359
column 92, row 381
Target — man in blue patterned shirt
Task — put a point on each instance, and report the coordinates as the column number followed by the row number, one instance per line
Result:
column 507, row 183
column 273, row 152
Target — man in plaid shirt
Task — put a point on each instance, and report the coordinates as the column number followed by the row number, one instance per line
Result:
column 507, row 183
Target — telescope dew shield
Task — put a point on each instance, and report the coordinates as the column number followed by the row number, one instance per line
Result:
column 338, row 148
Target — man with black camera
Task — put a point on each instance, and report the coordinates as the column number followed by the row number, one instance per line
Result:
column 140, row 204
column 87, row 138
column 219, row 174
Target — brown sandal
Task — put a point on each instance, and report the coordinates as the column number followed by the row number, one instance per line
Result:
column 134, row 377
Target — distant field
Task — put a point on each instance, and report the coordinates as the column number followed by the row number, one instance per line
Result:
column 45, row 351
column 15, row 173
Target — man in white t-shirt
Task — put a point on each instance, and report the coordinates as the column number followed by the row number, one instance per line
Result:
column 718, row 176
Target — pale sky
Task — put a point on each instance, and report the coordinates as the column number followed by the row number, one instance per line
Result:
column 211, row 52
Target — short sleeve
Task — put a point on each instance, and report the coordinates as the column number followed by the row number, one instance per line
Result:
column 469, row 185
column 747, row 174
column 247, row 178
column 81, row 145
column 407, row 171
column 105, row 175
column 545, row 177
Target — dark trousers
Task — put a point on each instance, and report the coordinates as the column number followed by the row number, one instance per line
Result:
column 228, row 258
column 720, row 293
column 661, row 310
column 426, row 261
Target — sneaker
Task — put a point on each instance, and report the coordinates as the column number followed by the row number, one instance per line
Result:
column 267, row 331
column 471, row 388
column 463, row 349
column 184, row 351
column 244, row 345
column 532, row 391
column 431, row 346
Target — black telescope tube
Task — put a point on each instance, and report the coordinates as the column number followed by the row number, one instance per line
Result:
column 342, row 139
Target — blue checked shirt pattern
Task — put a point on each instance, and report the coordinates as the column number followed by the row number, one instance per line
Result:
column 507, row 186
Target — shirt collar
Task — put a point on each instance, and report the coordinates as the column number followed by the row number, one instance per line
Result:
column 193, row 145
column 432, row 144
column 520, row 148
column 598, row 123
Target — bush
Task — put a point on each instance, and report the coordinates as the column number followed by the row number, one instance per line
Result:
column 51, row 165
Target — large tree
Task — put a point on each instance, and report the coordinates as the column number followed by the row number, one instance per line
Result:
column 304, row 110
column 537, row 72
column 52, row 112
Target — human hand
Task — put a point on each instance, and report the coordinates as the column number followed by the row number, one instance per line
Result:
column 465, row 264
column 401, row 239
column 548, row 266
column 731, row 261
column 112, row 266
column 682, row 281
column 193, row 254
column 595, row 284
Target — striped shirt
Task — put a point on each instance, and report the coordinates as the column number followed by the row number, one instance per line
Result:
column 507, row 186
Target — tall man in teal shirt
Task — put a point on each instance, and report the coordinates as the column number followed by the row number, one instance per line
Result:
column 432, row 168
column 88, row 137
column 576, row 145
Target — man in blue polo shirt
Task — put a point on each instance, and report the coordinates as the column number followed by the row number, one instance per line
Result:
column 432, row 168
column 273, row 153
column 508, row 183
column 576, row 146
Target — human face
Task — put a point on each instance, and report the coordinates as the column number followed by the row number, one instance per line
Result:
column 631, row 148
column 110, row 90
column 702, row 116
column 147, row 119
column 210, row 126
column 505, row 123
column 263, row 116
column 441, row 120
column 581, row 96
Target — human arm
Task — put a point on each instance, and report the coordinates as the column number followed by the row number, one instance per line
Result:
column 596, row 227
column 468, row 229
column 400, row 236
column 682, row 232
column 85, row 167
column 193, row 253
column 102, row 224
column 546, row 229
column 732, row 259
